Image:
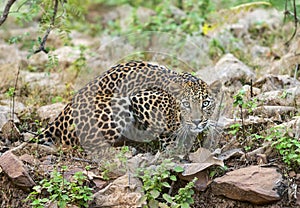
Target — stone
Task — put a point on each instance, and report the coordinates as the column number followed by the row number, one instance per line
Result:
column 258, row 51
column 125, row 191
column 5, row 116
column 50, row 112
column 229, row 70
column 284, row 97
column 10, row 132
column 29, row 159
column 255, row 184
column 271, row 82
column 18, row 106
column 52, row 83
column 14, row 168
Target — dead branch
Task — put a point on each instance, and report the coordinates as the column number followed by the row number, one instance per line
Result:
column 6, row 11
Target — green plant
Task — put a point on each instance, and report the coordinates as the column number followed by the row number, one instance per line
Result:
column 156, row 181
column 80, row 62
column 249, row 105
column 10, row 92
column 57, row 99
column 193, row 16
column 235, row 128
column 117, row 162
column 58, row 189
column 216, row 48
column 288, row 147
column 239, row 100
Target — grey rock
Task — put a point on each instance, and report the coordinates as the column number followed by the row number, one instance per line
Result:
column 50, row 112
column 229, row 70
column 5, row 116
column 125, row 191
column 271, row 82
column 284, row 97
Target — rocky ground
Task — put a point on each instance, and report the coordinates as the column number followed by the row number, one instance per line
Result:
column 255, row 173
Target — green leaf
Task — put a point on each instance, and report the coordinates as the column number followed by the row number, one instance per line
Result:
column 36, row 202
column 166, row 184
column 173, row 178
column 168, row 198
column 178, row 169
column 155, row 193
column 153, row 203
column 185, row 205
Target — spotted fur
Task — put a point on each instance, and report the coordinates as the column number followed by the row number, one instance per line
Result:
column 138, row 101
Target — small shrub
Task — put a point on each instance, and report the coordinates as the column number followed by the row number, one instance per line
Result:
column 58, row 189
column 155, row 181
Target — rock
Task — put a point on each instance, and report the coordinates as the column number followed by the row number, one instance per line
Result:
column 271, row 18
column 10, row 132
column 125, row 191
column 229, row 70
column 284, row 97
column 238, row 30
column 5, row 116
column 50, row 112
column 202, row 182
column 273, row 111
column 47, row 83
column 271, row 82
column 67, row 54
column 37, row 61
column 29, row 159
column 8, row 76
column 254, row 184
column 12, row 54
column 14, row 168
column 18, row 106
column 258, row 51
column 27, row 136
column 293, row 126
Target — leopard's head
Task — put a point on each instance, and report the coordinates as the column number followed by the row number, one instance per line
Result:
column 197, row 105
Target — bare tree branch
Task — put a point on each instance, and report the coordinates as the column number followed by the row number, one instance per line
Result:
column 6, row 11
column 43, row 43
column 296, row 20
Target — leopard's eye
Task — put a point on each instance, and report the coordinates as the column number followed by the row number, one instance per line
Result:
column 205, row 103
column 186, row 104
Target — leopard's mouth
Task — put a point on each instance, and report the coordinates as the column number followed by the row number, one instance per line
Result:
column 199, row 128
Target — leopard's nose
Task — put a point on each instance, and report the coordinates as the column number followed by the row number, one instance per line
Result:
column 197, row 121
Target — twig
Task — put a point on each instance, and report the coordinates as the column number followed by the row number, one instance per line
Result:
column 295, row 22
column 242, row 118
column 296, row 70
column 82, row 160
column 6, row 11
column 251, row 88
column 14, row 93
column 21, row 146
column 42, row 44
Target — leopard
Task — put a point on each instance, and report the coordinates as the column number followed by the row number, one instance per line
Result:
column 137, row 101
